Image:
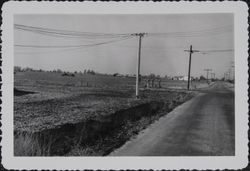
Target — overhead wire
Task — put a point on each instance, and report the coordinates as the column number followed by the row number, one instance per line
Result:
column 214, row 31
column 124, row 36
column 175, row 48
column 62, row 35
column 215, row 51
column 197, row 31
column 218, row 50
column 58, row 35
column 69, row 48
column 67, row 33
column 91, row 35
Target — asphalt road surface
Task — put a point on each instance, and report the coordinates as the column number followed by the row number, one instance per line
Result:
column 203, row 126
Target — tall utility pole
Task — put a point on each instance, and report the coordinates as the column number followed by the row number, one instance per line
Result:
column 207, row 72
column 189, row 66
column 140, row 35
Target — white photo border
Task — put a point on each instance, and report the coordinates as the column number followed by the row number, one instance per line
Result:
column 240, row 11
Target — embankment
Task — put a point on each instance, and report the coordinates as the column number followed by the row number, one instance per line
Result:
column 96, row 136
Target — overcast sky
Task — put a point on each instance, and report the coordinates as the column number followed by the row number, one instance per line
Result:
column 162, row 55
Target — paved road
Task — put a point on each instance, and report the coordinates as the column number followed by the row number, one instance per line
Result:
column 203, row 126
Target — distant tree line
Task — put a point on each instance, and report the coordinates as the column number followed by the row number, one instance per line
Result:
column 92, row 72
column 26, row 69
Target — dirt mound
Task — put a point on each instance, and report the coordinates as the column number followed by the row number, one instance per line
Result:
column 21, row 92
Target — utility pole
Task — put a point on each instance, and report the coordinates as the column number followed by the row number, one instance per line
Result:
column 189, row 66
column 207, row 70
column 140, row 35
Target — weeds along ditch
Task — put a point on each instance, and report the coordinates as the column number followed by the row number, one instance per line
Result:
column 94, row 137
column 59, row 141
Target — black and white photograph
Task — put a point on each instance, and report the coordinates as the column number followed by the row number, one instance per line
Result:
column 118, row 85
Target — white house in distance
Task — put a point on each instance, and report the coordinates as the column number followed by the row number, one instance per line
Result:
column 181, row 78
column 184, row 78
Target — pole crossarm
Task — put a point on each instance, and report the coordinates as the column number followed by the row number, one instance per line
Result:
column 138, row 34
column 191, row 51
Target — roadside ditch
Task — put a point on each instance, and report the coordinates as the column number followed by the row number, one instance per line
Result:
column 94, row 137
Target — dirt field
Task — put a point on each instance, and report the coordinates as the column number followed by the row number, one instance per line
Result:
column 84, row 114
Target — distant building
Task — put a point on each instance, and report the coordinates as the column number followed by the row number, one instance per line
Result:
column 181, row 78
column 175, row 78
column 184, row 78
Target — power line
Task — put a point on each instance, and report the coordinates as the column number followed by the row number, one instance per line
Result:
column 69, row 46
column 217, row 50
column 167, row 49
column 63, row 35
column 217, row 30
column 67, row 33
column 63, row 31
column 91, row 35
column 179, row 48
column 59, row 35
